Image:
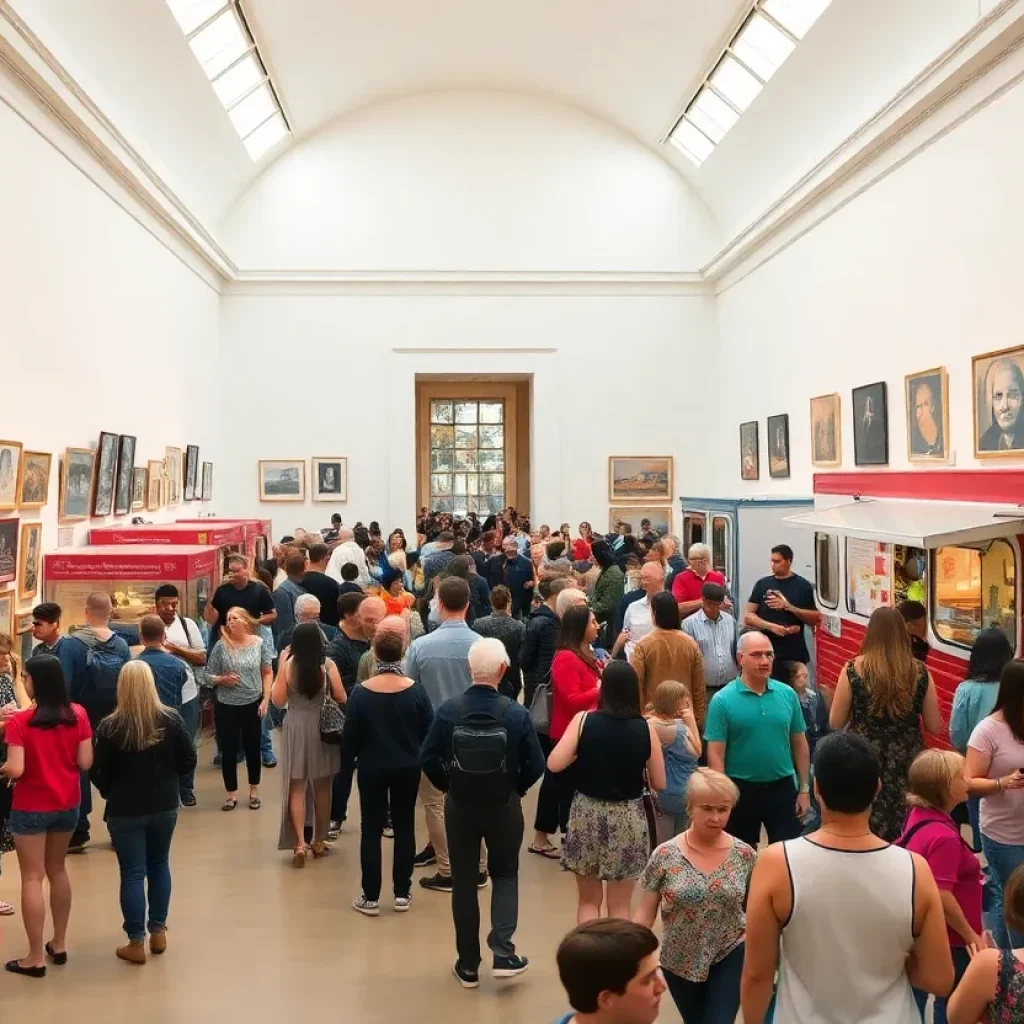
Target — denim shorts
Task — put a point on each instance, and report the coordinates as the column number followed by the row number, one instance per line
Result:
column 37, row 823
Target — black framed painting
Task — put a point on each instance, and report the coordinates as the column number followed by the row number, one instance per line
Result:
column 125, row 474
column 871, row 425
column 750, row 465
column 778, row 446
column 106, row 471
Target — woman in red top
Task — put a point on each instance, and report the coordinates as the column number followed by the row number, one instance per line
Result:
column 47, row 746
column 581, row 550
column 575, row 685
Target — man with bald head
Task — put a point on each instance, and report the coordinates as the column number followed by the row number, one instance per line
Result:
column 398, row 625
column 638, row 620
column 755, row 733
column 346, row 551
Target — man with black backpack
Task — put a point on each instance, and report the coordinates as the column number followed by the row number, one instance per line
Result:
column 483, row 752
column 95, row 688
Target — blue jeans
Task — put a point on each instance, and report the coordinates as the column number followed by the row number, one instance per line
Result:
column 190, row 716
column 974, row 813
column 143, row 848
column 715, row 1001
column 1002, row 859
column 961, row 959
column 266, row 744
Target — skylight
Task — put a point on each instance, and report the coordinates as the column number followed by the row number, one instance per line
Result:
column 761, row 45
column 219, row 36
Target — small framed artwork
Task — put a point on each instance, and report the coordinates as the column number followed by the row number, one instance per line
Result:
column 10, row 468
column 778, row 446
column 639, row 477
column 998, row 396
column 8, row 550
column 76, row 473
column 106, row 471
column 34, row 486
column 28, row 561
column 191, row 471
column 282, row 479
column 154, row 474
column 140, row 486
column 871, row 425
column 125, row 474
column 826, row 440
column 660, row 517
column 22, row 623
column 7, row 612
column 750, row 464
column 330, row 478
column 207, row 487
column 927, row 400
column 172, row 472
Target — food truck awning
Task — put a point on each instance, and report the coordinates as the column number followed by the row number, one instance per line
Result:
column 922, row 524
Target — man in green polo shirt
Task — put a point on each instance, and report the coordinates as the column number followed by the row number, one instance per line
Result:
column 755, row 735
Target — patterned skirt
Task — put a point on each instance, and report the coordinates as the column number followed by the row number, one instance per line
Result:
column 607, row 838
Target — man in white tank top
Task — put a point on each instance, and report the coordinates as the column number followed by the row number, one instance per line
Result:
column 850, row 920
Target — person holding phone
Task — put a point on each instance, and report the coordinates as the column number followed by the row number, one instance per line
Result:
column 781, row 605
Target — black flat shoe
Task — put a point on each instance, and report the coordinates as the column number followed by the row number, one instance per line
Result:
column 30, row 972
column 60, row 959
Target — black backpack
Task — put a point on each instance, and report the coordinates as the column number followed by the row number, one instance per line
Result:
column 479, row 769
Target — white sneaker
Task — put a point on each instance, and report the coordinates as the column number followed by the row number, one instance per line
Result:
column 402, row 904
column 371, row 908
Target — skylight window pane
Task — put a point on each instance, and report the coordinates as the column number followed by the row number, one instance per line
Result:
column 712, row 115
column 220, row 44
column 735, row 83
column 762, row 47
column 190, row 14
column 266, row 137
column 697, row 146
column 797, row 16
column 251, row 112
column 238, row 80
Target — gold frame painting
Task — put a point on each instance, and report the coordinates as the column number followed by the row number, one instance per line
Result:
column 172, row 473
column 140, row 486
column 43, row 461
column 632, row 514
column 282, row 465
column 28, row 574
column 629, row 478
column 10, row 477
column 823, row 407
column 990, row 438
column 65, row 480
column 154, row 470
column 22, row 623
column 7, row 611
column 919, row 448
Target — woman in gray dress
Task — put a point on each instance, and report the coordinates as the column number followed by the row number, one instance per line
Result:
column 303, row 673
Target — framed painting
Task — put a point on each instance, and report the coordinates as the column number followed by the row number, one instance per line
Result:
column 8, row 550
column 871, row 425
column 282, row 479
column 639, row 477
column 927, row 402
column 105, row 475
column 826, row 439
column 998, row 395
column 34, row 485
column 10, row 468
column 22, row 623
column 154, row 473
column 7, row 612
column 778, row 446
column 207, row 486
column 750, row 464
column 660, row 517
column 191, row 471
column 125, row 474
column 329, row 478
column 76, row 473
column 28, row 562
column 140, row 484
column 172, row 472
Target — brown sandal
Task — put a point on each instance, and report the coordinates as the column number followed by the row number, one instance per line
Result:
column 320, row 849
column 299, row 857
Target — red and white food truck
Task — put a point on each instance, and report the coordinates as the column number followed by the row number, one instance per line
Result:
column 229, row 539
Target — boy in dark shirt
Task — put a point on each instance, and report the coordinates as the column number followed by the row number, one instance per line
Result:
column 349, row 573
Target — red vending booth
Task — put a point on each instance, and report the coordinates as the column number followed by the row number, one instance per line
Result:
column 130, row 574
column 256, row 533
column 229, row 539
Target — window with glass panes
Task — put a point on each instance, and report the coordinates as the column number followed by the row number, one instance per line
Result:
column 467, row 455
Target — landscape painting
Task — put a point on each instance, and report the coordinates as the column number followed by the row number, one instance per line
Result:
column 660, row 517
column 639, row 477
column 76, row 482
column 282, row 479
column 34, row 488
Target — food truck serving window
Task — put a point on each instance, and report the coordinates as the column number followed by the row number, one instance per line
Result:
column 972, row 589
column 868, row 576
column 720, row 545
column 826, row 568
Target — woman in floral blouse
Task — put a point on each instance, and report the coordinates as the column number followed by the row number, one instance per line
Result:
column 699, row 882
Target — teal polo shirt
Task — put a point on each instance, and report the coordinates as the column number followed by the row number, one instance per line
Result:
column 755, row 729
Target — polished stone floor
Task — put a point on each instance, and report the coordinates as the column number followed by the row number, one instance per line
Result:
column 251, row 939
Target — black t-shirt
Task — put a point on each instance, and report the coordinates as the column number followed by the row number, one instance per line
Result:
column 345, row 653
column 253, row 597
column 325, row 590
column 611, row 757
column 799, row 593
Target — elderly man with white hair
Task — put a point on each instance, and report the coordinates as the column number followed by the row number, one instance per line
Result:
column 347, row 550
column 687, row 584
column 307, row 609
column 483, row 752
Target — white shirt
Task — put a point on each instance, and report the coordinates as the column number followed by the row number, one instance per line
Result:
column 350, row 551
column 637, row 622
column 192, row 639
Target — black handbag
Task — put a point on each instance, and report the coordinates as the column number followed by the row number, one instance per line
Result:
column 332, row 719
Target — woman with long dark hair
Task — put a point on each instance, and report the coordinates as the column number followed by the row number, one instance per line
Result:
column 142, row 751
column 303, row 675
column 884, row 694
column 612, row 749
column 610, row 583
column 995, row 759
column 48, row 745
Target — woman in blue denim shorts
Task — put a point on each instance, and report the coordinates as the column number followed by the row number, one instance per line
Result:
column 47, row 746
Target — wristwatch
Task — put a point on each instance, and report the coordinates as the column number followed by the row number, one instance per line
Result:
column 804, row 789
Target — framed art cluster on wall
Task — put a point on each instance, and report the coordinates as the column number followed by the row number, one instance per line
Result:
column 645, row 482
column 285, row 479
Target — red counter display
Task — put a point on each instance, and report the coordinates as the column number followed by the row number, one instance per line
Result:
column 256, row 533
column 229, row 538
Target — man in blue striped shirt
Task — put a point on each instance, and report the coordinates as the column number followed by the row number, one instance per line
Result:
column 715, row 633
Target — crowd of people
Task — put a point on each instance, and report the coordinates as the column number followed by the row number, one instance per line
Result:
column 667, row 728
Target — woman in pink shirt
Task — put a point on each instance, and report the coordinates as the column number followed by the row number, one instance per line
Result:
column 47, row 746
column 935, row 785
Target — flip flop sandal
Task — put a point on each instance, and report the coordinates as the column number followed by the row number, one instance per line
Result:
column 548, row 852
column 254, row 803
column 6, row 910
column 229, row 805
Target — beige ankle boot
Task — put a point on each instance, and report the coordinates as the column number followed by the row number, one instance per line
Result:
column 133, row 953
